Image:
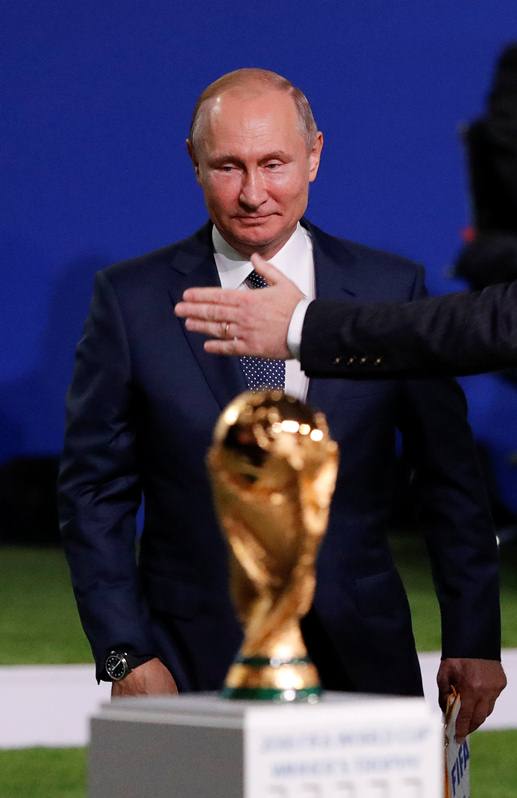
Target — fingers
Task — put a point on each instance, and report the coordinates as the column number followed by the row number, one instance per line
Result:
column 216, row 329
column 202, row 310
column 224, row 339
column 481, row 712
column 464, row 719
column 444, row 688
column 221, row 296
column 471, row 716
column 233, row 346
column 267, row 270
column 223, row 335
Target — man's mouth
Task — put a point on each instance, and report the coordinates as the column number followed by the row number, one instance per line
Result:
column 253, row 218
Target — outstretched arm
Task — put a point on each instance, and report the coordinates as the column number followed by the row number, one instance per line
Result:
column 464, row 333
column 453, row 334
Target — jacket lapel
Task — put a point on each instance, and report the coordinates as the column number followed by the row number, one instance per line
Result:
column 193, row 265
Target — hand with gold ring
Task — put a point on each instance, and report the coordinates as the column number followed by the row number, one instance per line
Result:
column 243, row 322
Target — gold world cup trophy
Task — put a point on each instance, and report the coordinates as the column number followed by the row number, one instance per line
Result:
column 273, row 468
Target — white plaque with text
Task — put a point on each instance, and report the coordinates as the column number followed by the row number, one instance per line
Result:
column 362, row 748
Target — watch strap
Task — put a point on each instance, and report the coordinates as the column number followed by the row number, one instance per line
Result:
column 132, row 660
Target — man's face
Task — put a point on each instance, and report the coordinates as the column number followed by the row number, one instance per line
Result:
column 254, row 167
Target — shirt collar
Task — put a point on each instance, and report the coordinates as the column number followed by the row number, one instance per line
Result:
column 234, row 269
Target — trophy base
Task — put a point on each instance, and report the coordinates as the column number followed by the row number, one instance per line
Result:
column 309, row 695
column 345, row 746
column 293, row 679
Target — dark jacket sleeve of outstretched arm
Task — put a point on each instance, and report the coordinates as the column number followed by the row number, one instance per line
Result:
column 453, row 334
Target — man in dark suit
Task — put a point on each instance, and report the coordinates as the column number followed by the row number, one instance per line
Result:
column 464, row 333
column 145, row 398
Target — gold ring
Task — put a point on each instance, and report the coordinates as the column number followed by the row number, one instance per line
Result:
column 225, row 329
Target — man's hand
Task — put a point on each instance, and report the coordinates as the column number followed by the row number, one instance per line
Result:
column 248, row 322
column 479, row 682
column 151, row 678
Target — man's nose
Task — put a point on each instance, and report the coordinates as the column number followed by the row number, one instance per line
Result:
column 253, row 190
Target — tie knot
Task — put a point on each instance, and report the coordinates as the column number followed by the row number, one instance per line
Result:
column 256, row 280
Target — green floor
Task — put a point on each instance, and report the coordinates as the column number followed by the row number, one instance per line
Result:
column 43, row 773
column 41, row 625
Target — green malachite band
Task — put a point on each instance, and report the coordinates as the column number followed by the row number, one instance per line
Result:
column 272, row 662
column 271, row 694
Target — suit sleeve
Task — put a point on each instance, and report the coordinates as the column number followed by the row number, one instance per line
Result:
column 455, row 513
column 454, row 334
column 99, row 483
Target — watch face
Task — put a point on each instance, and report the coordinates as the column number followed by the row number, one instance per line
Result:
column 116, row 666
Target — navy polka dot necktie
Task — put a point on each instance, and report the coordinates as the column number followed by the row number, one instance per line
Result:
column 262, row 372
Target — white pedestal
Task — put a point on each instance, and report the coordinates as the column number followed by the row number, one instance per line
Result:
column 201, row 746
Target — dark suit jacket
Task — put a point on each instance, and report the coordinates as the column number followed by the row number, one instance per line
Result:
column 141, row 410
column 453, row 334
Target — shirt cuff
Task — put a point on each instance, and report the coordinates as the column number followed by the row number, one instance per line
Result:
column 294, row 333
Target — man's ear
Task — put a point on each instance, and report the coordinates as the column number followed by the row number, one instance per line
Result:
column 193, row 158
column 315, row 155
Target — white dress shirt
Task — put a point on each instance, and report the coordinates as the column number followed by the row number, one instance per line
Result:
column 296, row 261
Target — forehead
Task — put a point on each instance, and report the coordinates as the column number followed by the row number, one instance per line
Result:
column 242, row 120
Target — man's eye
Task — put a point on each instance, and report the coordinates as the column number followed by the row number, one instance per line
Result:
column 227, row 167
column 273, row 165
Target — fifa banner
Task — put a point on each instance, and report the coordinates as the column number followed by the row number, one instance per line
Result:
column 457, row 756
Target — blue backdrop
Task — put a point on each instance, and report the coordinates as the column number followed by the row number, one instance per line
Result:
column 98, row 98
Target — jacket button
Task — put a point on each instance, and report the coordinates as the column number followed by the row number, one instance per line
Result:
column 351, row 360
column 337, row 361
column 377, row 361
column 363, row 361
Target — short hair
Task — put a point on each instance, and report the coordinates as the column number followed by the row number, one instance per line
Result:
column 263, row 79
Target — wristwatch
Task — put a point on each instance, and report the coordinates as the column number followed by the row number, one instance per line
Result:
column 119, row 663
